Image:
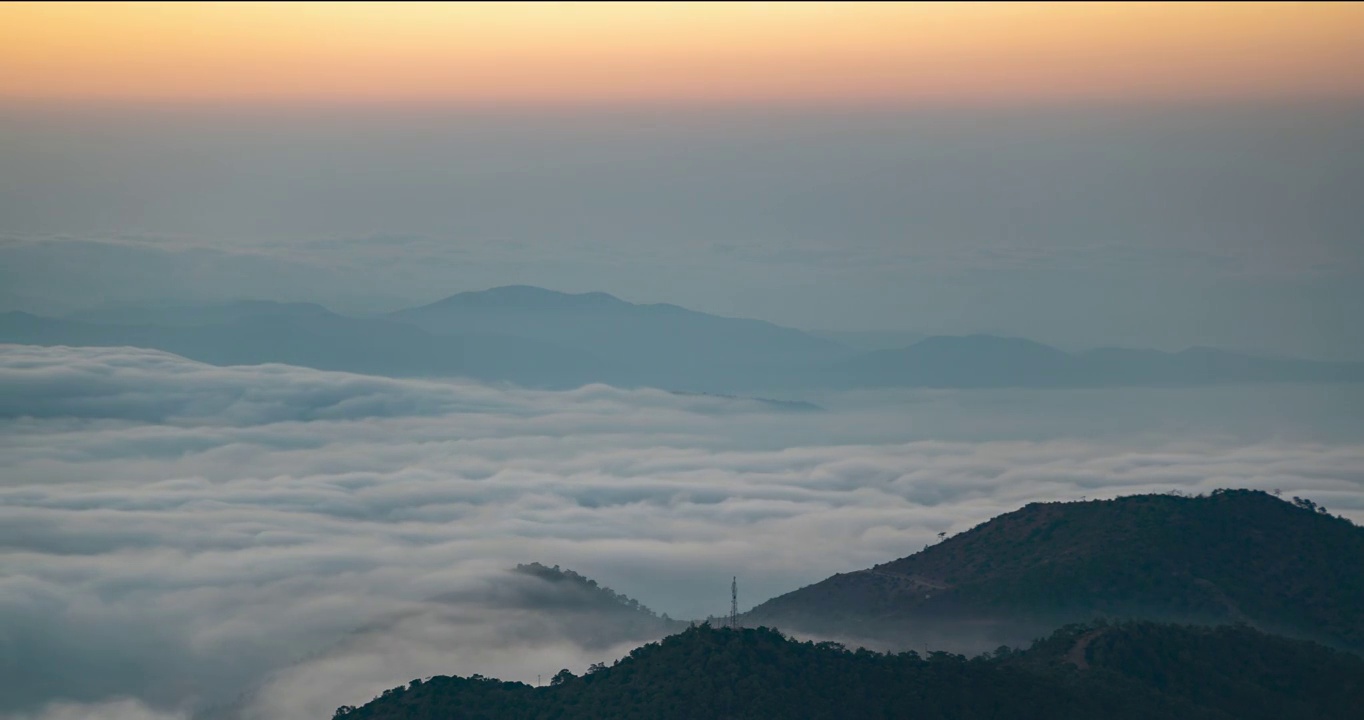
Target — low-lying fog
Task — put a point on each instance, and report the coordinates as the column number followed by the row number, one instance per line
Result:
column 180, row 540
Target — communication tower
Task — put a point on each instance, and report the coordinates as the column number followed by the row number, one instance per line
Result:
column 734, row 603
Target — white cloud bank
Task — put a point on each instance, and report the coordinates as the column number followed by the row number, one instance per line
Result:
column 177, row 537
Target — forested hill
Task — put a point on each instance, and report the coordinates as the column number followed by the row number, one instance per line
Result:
column 1136, row 671
column 568, row 590
column 1233, row 556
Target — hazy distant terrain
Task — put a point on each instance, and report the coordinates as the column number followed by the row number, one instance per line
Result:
column 656, row 345
column 541, row 338
column 1091, row 225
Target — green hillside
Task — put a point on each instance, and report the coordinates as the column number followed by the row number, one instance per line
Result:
column 1232, row 556
column 1136, row 671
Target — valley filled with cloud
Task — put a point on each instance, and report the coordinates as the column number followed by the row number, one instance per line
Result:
column 184, row 540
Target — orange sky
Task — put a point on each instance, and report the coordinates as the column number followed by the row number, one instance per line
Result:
column 684, row 52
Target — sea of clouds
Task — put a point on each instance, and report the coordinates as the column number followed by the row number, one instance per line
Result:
column 181, row 540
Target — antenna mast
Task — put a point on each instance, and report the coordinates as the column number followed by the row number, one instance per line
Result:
column 734, row 603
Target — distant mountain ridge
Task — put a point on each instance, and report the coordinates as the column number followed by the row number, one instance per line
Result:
column 191, row 315
column 543, row 338
column 658, row 345
column 507, row 296
column 1233, row 556
column 311, row 336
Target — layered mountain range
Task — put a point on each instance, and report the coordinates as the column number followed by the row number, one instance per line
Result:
column 541, row 338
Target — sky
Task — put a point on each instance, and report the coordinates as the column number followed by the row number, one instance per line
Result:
column 588, row 53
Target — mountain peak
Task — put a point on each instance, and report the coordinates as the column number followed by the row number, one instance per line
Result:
column 983, row 342
column 527, row 296
column 1232, row 556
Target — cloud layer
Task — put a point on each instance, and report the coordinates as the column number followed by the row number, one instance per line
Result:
column 276, row 541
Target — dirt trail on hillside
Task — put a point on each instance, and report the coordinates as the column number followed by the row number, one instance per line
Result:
column 1076, row 656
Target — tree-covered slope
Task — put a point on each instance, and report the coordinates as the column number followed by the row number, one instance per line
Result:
column 1233, row 556
column 565, row 591
column 1125, row 671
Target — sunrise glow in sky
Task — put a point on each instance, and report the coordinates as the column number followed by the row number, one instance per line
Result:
column 683, row 52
